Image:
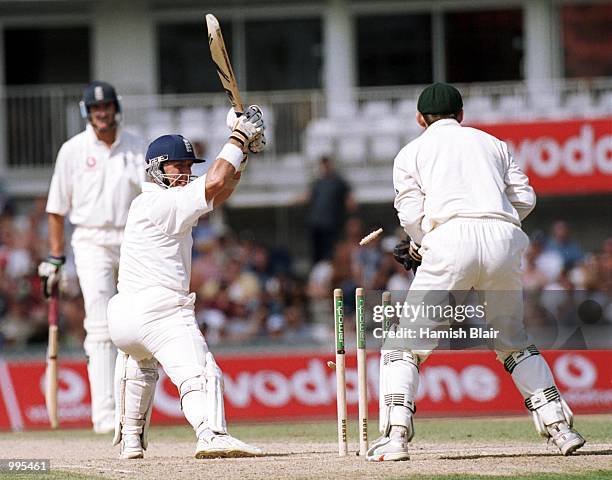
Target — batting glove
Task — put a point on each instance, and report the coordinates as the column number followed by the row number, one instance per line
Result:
column 254, row 116
column 50, row 273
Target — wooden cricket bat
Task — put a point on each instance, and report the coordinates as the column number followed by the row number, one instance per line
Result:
column 223, row 64
column 51, row 371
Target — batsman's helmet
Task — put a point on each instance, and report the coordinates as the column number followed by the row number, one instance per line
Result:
column 165, row 149
column 98, row 92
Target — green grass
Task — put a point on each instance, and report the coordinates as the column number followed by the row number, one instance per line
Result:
column 594, row 428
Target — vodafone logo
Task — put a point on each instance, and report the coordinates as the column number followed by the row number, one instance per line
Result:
column 582, row 154
column 90, row 162
column 575, row 371
column 72, row 387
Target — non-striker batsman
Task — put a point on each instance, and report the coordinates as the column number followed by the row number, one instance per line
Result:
column 97, row 175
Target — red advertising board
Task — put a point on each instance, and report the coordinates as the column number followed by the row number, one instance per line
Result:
column 297, row 387
column 572, row 157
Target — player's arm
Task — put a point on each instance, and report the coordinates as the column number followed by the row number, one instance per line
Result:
column 247, row 136
column 56, row 234
column 519, row 192
column 409, row 198
column 58, row 205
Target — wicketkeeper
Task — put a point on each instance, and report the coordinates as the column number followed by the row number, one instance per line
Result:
column 461, row 198
column 152, row 318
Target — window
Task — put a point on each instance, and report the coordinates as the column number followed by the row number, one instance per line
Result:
column 185, row 65
column 587, row 40
column 484, row 46
column 394, row 50
column 283, row 54
column 40, row 55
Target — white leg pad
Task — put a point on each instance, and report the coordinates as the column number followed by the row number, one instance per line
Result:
column 101, row 357
column 193, row 402
column 529, row 370
column 533, row 378
column 136, row 391
column 214, row 396
column 547, row 408
column 399, row 383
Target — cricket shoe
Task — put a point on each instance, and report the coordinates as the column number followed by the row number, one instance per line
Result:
column 215, row 445
column 131, row 447
column 565, row 438
column 392, row 448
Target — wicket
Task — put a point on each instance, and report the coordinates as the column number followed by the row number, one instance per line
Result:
column 340, row 372
column 362, row 380
column 362, row 383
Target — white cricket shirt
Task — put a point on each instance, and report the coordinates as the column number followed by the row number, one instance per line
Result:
column 156, row 248
column 95, row 183
column 453, row 171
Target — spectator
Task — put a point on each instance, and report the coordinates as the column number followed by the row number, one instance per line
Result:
column 329, row 200
column 549, row 262
column 561, row 243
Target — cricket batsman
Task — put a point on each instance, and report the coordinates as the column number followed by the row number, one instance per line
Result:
column 461, row 198
column 97, row 175
column 152, row 319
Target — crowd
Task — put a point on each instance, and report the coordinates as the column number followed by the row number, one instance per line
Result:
column 248, row 292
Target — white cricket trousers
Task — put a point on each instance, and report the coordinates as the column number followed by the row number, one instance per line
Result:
column 160, row 323
column 483, row 254
column 464, row 253
column 97, row 267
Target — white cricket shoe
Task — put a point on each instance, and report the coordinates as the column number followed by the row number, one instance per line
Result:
column 215, row 445
column 564, row 437
column 131, row 447
column 393, row 448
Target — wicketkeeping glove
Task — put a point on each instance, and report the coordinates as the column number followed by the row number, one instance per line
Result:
column 407, row 254
column 50, row 273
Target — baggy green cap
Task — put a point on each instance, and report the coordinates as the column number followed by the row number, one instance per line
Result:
column 440, row 99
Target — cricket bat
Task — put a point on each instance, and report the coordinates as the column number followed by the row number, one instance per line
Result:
column 223, row 64
column 51, row 371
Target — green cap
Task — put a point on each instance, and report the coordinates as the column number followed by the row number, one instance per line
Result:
column 440, row 99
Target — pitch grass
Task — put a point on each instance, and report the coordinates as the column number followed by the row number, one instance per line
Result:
column 521, row 429
column 596, row 428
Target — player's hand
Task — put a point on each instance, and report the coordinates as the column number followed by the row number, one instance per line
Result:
column 50, row 273
column 255, row 115
column 407, row 254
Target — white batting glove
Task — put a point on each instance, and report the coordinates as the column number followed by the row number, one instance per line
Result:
column 254, row 113
column 231, row 118
column 244, row 132
column 51, row 274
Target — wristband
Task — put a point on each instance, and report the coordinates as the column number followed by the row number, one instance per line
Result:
column 57, row 261
column 232, row 154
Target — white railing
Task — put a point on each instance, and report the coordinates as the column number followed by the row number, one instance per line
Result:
column 363, row 136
